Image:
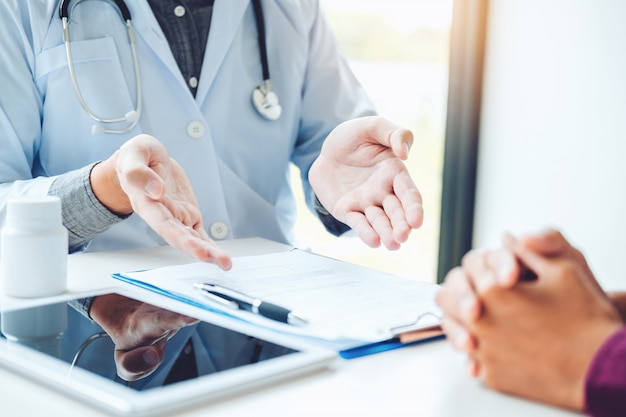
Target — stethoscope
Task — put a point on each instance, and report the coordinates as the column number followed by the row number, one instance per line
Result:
column 264, row 100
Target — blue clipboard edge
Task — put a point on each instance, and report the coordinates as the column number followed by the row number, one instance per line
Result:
column 378, row 347
column 351, row 353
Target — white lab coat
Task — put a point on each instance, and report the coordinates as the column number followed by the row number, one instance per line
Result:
column 236, row 160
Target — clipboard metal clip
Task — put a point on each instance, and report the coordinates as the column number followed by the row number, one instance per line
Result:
column 417, row 324
column 420, row 329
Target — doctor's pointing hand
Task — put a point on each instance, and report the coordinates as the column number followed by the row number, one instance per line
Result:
column 141, row 177
column 359, row 177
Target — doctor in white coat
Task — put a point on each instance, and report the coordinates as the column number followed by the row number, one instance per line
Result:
column 191, row 160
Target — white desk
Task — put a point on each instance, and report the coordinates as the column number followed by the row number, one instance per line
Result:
column 423, row 380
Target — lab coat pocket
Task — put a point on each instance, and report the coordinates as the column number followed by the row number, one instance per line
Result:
column 99, row 74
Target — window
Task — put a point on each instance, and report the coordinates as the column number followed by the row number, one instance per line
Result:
column 399, row 50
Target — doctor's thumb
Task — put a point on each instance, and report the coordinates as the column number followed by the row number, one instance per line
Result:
column 401, row 142
column 154, row 189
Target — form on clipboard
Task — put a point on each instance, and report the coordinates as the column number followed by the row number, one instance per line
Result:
column 348, row 308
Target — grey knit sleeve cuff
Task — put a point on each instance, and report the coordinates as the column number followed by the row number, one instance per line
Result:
column 83, row 215
column 82, row 305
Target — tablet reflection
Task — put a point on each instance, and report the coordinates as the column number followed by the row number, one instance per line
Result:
column 139, row 331
column 40, row 328
column 134, row 343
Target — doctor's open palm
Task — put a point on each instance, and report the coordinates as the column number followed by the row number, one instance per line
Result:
column 361, row 179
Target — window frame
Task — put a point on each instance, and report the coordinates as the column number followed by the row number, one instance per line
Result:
column 467, row 51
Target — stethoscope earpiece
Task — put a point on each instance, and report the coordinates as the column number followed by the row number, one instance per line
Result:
column 97, row 130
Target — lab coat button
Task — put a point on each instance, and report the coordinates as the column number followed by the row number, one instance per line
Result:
column 218, row 230
column 195, row 129
column 179, row 11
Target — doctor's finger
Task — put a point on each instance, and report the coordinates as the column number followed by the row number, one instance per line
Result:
column 359, row 224
column 197, row 245
column 410, row 197
column 182, row 237
column 396, row 215
column 377, row 218
column 186, row 212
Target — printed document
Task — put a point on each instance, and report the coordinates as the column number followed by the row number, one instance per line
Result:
column 346, row 305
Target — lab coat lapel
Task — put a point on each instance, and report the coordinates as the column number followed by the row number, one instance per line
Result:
column 225, row 22
column 148, row 29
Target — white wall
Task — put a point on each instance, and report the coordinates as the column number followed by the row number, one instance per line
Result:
column 553, row 128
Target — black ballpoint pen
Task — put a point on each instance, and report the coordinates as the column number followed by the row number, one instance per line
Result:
column 236, row 299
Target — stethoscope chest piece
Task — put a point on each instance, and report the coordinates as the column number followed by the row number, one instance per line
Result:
column 266, row 103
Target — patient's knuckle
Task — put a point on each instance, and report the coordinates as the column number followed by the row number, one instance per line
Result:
column 564, row 270
column 453, row 276
column 473, row 259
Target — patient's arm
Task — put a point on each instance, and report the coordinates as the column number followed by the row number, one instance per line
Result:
column 619, row 301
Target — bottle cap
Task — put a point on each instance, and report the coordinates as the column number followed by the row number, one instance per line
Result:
column 34, row 210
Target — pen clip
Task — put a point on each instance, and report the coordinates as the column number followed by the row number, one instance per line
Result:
column 215, row 297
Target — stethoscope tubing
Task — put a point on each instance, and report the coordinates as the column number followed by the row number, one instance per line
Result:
column 121, row 5
column 134, row 115
column 260, row 27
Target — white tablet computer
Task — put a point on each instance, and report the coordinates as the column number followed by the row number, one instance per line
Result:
column 145, row 354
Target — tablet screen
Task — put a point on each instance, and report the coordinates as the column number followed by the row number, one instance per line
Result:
column 139, row 346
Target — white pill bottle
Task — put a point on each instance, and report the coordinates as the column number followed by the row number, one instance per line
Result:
column 33, row 248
